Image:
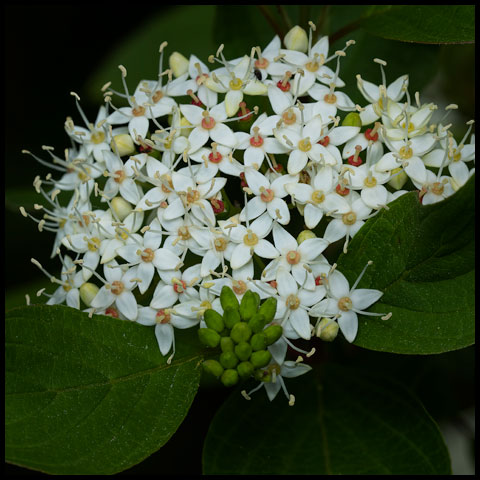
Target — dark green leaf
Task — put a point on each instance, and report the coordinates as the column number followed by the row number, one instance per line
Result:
column 424, row 262
column 424, row 23
column 91, row 395
column 344, row 421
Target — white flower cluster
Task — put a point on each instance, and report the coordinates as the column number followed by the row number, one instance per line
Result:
column 151, row 232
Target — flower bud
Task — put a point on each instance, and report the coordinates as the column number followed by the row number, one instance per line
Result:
column 123, row 144
column 209, row 337
column 229, row 377
column 88, row 292
column 248, row 305
column 228, row 299
column 258, row 342
column 261, row 358
column 241, row 332
column 273, row 333
column 243, row 351
column 245, row 369
column 228, row 359
column 305, row 235
column 121, row 208
column 399, row 180
column 296, row 39
column 178, row 64
column 231, row 317
column 226, row 344
column 268, row 309
column 213, row 320
column 213, row 367
column 327, row 329
column 352, row 120
column 257, row 322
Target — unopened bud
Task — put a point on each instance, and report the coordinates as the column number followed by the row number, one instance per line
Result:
column 249, row 305
column 268, row 309
column 213, row 367
column 327, row 329
column 209, row 337
column 228, row 299
column 122, row 144
column 214, row 320
column 352, row 120
column 229, row 377
column 178, row 64
column 88, row 292
column 121, row 208
column 273, row 333
column 245, row 369
column 243, row 351
column 226, row 344
column 228, row 359
column 296, row 39
column 261, row 358
column 399, row 180
column 231, row 316
column 257, row 322
column 305, row 235
column 241, row 332
column 259, row 341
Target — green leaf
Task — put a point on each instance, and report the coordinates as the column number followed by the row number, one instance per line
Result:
column 424, row 262
column 424, row 23
column 186, row 28
column 91, row 395
column 344, row 421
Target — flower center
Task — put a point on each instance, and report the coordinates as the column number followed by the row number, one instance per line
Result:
column 330, row 98
column 267, row 194
column 117, row 287
column 349, row 218
column 183, row 233
column 119, row 176
column 370, row 182
column 93, row 244
column 289, row 117
column 148, row 255
column 84, row 176
column 324, row 141
column 215, row 158
column 162, row 317
column 261, row 63
column 455, row 155
column 67, row 287
column 217, row 205
column 256, row 140
column 405, row 152
column 111, row 312
column 235, row 84
column 220, row 244
column 167, row 179
column 192, row 195
column 292, row 302
column 205, row 305
column 343, row 191
column 138, row 111
column 250, row 239
column 345, row 304
column 304, row 145
column 97, row 137
column 239, row 287
column 318, row 196
column 437, row 188
column 411, row 126
column 293, row 257
column 179, row 286
column 208, row 122
column 157, row 96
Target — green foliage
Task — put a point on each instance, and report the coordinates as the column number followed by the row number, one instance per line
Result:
column 91, row 395
column 344, row 421
column 423, row 261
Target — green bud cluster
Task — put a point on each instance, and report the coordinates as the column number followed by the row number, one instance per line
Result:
column 241, row 334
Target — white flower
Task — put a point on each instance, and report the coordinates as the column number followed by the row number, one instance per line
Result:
column 215, row 159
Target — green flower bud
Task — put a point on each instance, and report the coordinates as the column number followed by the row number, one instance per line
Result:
column 399, row 180
column 268, row 309
column 213, row 367
column 305, row 235
column 249, row 305
column 228, row 298
column 231, row 316
column 121, row 208
column 213, row 320
column 327, row 329
column 273, row 333
column 243, row 351
column 229, row 377
column 352, row 120
column 178, row 64
column 123, row 144
column 226, row 344
column 209, row 337
column 261, row 358
column 228, row 359
column 245, row 369
column 258, row 341
column 257, row 322
column 296, row 39
column 241, row 332
column 88, row 291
